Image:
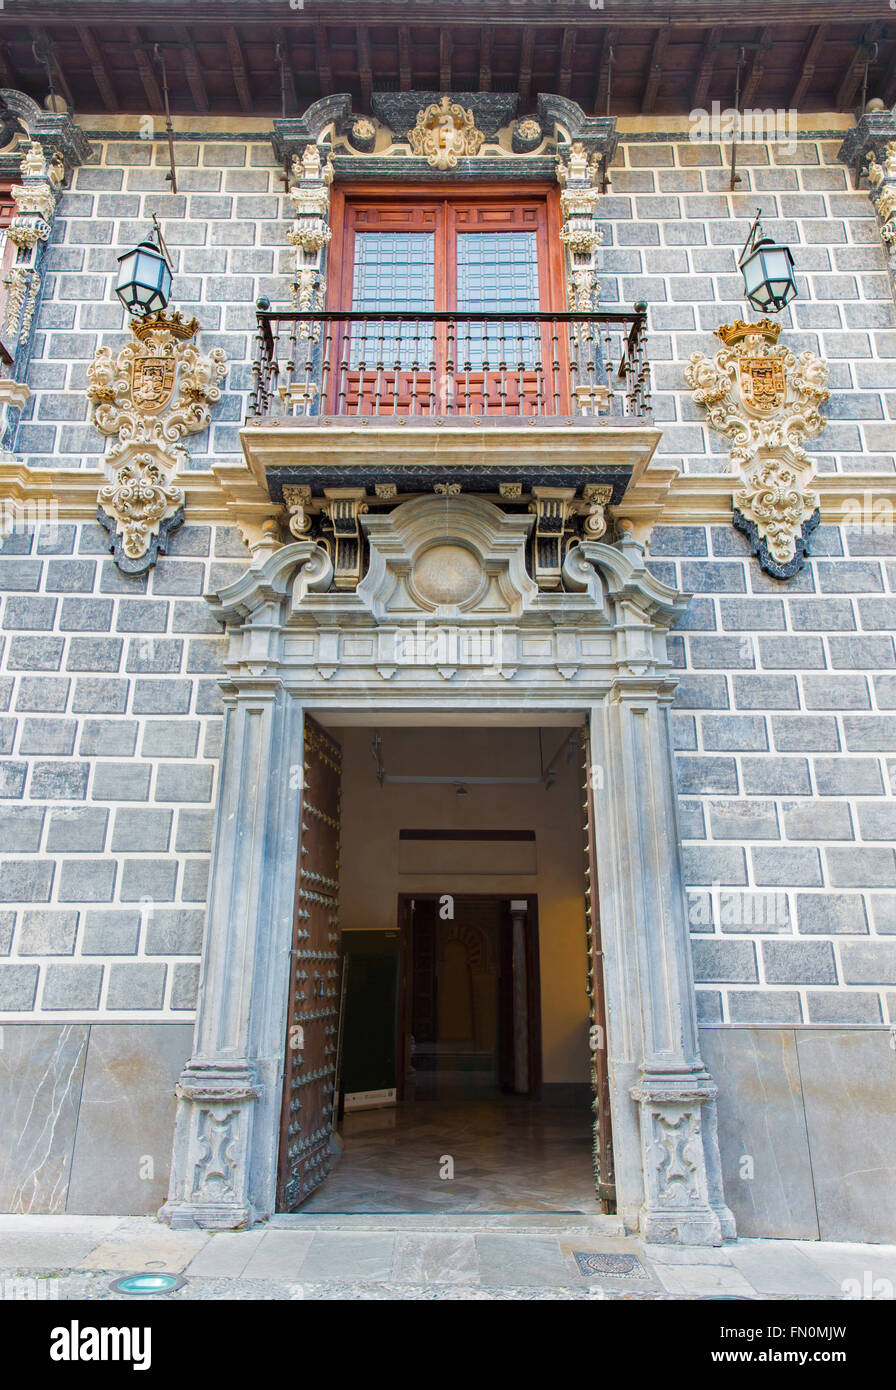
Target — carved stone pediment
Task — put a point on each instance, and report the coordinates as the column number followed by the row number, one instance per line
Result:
column 446, row 557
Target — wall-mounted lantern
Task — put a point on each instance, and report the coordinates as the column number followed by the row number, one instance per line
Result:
column 144, row 277
column 767, row 270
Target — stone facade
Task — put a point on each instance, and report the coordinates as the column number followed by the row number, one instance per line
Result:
column 784, row 717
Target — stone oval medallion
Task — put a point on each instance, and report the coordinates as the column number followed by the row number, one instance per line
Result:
column 447, row 574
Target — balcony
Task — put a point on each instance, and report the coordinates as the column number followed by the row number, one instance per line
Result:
column 451, row 366
column 401, row 402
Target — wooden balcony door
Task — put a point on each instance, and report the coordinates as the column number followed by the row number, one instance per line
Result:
column 422, row 254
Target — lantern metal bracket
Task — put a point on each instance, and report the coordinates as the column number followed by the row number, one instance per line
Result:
column 169, row 130
column 753, row 236
column 162, row 243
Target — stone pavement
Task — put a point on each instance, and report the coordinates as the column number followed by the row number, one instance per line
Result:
column 424, row 1257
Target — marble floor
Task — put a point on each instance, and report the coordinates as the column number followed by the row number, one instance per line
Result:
column 501, row 1154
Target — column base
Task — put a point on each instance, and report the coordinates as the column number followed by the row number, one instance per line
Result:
column 212, row 1147
column 683, row 1203
column 210, row 1216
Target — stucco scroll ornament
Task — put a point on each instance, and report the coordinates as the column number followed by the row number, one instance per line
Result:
column 156, row 391
column 445, row 132
column 766, row 401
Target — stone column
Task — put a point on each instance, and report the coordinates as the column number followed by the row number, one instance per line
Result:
column 668, row 1173
column 225, row 1145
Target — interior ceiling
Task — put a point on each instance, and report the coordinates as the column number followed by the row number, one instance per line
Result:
column 667, row 58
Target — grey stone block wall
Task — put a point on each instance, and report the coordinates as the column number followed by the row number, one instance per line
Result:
column 784, row 730
column 672, row 236
column 226, row 231
column 785, row 720
column 108, row 772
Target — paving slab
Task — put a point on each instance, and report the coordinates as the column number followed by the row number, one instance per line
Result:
column 151, row 1247
column 447, row 1259
column 227, row 1254
column 278, row 1255
column 781, row 1269
column 703, row 1279
column 334, row 1255
column 523, row 1260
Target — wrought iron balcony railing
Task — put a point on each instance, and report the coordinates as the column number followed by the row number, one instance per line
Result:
column 451, row 365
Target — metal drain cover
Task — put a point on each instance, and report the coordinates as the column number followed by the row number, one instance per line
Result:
column 611, row 1266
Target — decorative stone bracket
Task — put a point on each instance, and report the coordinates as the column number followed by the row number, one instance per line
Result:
column 765, row 400
column 159, row 389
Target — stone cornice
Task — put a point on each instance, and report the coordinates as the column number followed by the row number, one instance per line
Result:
column 235, row 494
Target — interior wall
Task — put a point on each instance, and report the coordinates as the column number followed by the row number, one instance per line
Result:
column 374, row 870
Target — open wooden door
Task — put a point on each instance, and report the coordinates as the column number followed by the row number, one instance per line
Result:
column 313, row 1012
column 604, row 1172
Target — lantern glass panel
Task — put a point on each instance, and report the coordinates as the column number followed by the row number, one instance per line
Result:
column 144, row 280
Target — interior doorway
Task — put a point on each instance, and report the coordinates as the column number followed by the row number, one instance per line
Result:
column 471, row 1018
column 465, row 1068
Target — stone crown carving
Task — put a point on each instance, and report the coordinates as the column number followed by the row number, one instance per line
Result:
column 159, row 389
column 765, row 400
column 444, row 133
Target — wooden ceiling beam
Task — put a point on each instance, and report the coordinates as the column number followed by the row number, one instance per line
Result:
column 485, row 59
column 889, row 92
column 145, row 69
column 365, row 67
column 405, row 77
column 654, row 76
column 324, row 65
column 288, row 74
column 238, row 68
column 711, row 46
column 98, row 68
column 42, row 39
column 757, row 68
column 527, row 58
column 193, row 70
column 446, row 53
column 852, row 77
column 810, row 60
column 567, row 58
column 603, row 71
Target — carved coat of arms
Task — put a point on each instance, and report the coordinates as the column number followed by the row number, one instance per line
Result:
column 152, row 381
column 158, row 389
column 762, row 382
column 766, row 400
column 444, row 133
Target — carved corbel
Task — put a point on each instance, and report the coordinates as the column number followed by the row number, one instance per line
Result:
column 595, row 499
column 765, row 400
column 159, row 389
column 298, row 499
column 553, row 508
column 343, row 508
